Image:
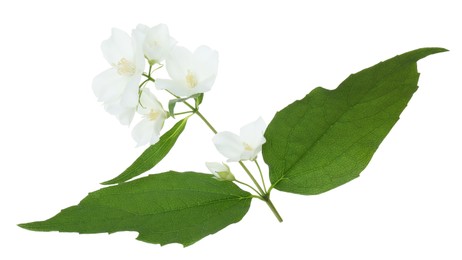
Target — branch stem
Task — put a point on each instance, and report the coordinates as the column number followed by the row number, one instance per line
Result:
column 261, row 175
column 262, row 194
column 273, row 209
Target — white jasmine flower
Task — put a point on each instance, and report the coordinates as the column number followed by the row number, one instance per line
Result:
column 190, row 73
column 244, row 146
column 117, row 87
column 220, row 170
column 147, row 131
column 157, row 43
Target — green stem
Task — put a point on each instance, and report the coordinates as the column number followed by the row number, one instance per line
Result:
column 245, row 184
column 196, row 111
column 263, row 195
column 261, row 175
column 148, row 76
column 182, row 113
column 205, row 120
column 273, row 209
column 251, row 177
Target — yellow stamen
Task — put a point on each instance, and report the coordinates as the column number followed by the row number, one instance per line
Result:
column 153, row 115
column 125, row 67
column 191, row 80
column 247, row 147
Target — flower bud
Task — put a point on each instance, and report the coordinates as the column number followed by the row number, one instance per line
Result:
column 221, row 171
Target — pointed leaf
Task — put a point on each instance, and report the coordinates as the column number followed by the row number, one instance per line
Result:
column 199, row 99
column 152, row 155
column 327, row 138
column 163, row 208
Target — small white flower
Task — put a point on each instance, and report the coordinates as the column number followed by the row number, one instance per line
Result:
column 245, row 146
column 221, row 171
column 190, row 73
column 157, row 43
column 117, row 87
column 147, row 131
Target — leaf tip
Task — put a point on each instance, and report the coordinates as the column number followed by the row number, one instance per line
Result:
column 22, row 225
column 109, row 182
column 28, row 226
column 441, row 49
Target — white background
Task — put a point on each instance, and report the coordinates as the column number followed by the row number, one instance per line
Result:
column 57, row 143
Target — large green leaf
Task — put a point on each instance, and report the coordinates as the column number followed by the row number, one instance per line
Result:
column 163, row 208
column 327, row 138
column 152, row 155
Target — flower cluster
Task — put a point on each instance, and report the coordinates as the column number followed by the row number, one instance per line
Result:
column 123, row 87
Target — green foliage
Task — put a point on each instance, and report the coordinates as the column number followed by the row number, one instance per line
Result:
column 152, row 155
column 313, row 145
column 198, row 100
column 164, row 208
column 327, row 138
column 172, row 103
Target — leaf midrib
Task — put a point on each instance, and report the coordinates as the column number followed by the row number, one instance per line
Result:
column 41, row 225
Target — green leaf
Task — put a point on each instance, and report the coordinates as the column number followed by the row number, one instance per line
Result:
column 172, row 103
column 163, row 208
column 199, row 99
column 152, row 155
column 327, row 138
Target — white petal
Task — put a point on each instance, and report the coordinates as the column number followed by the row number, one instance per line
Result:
column 177, row 87
column 229, row 144
column 252, row 136
column 118, row 46
column 251, row 154
column 142, row 29
column 252, row 133
column 142, row 133
column 108, row 85
column 129, row 97
column 138, row 39
column 205, row 62
column 157, row 127
column 149, row 131
column 149, row 101
column 215, row 167
column 158, row 43
column 144, row 108
column 204, row 85
column 178, row 63
column 123, row 114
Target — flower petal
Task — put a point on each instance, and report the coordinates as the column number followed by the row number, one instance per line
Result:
column 149, row 101
column 118, row 46
column 177, row 87
column 123, row 114
column 138, row 58
column 158, row 43
column 143, row 132
column 253, row 136
column 205, row 62
column 215, row 167
column 230, row 145
column 141, row 29
column 129, row 97
column 204, row 85
column 178, row 63
column 253, row 132
column 108, row 85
